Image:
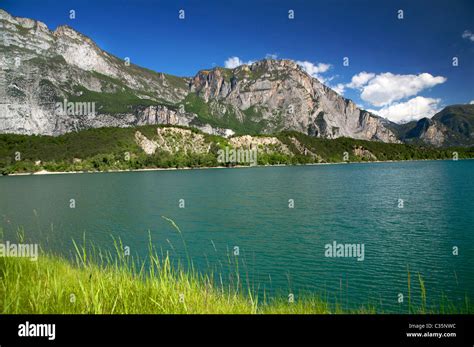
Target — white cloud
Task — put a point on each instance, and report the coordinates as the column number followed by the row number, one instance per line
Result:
column 339, row 88
column 471, row 102
column 234, row 62
column 313, row 69
column 413, row 109
column 385, row 88
column 467, row 34
column 360, row 79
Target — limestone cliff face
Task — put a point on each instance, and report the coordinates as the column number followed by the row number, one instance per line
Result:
column 374, row 128
column 173, row 140
column 428, row 131
column 40, row 68
column 286, row 97
column 25, row 40
column 434, row 135
column 162, row 115
column 261, row 144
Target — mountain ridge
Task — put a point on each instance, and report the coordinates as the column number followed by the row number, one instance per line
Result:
column 453, row 126
column 265, row 97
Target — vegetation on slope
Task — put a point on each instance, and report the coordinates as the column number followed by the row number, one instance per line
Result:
column 223, row 115
column 332, row 150
column 105, row 149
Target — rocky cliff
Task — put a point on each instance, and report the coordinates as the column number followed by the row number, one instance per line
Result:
column 452, row 126
column 40, row 69
column 54, row 82
column 278, row 95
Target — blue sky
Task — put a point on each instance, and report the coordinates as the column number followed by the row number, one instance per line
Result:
column 408, row 62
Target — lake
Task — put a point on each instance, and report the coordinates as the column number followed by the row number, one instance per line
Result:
column 280, row 220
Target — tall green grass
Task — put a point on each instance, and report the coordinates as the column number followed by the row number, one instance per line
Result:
column 110, row 282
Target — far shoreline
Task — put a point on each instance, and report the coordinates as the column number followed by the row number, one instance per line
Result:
column 45, row 172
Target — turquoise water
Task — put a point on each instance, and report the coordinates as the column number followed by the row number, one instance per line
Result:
column 281, row 249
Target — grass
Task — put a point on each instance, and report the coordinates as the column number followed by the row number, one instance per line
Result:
column 98, row 282
column 54, row 285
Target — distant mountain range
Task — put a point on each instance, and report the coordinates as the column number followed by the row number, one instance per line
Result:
column 42, row 72
column 453, row 126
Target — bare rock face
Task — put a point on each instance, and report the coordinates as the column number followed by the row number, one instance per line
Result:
column 429, row 131
column 267, row 144
column 149, row 147
column 173, row 140
column 40, row 68
column 363, row 153
column 78, row 50
column 286, row 97
column 373, row 128
column 163, row 115
column 434, row 134
column 208, row 129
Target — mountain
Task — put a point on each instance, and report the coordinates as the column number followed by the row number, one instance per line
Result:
column 40, row 68
column 452, row 126
column 274, row 95
column 55, row 82
column 43, row 68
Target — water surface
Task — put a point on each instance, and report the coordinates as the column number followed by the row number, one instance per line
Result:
column 282, row 249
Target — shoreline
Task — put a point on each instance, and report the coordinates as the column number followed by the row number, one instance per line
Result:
column 45, row 172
